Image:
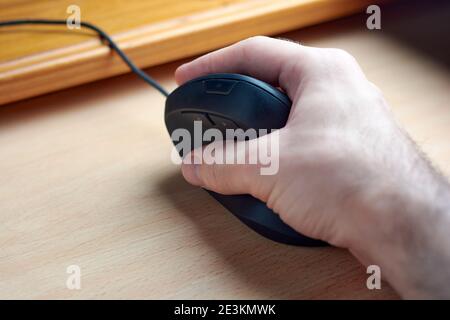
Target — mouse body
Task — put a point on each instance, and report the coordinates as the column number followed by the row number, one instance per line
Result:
column 232, row 101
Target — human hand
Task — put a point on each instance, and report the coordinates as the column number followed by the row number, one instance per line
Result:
column 346, row 169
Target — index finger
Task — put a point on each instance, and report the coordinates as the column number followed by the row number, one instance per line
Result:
column 267, row 59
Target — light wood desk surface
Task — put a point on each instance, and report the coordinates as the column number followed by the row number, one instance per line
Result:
column 86, row 179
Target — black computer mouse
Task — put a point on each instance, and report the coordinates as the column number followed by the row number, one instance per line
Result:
column 231, row 101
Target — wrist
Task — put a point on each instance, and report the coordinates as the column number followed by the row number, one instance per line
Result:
column 402, row 226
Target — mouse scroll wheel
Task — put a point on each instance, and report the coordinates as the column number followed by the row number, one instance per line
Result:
column 219, row 86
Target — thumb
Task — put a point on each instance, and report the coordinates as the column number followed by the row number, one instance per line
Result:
column 219, row 171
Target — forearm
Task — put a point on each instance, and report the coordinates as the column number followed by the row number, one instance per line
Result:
column 405, row 230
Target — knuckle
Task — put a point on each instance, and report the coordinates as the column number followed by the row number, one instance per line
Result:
column 255, row 40
column 377, row 95
column 342, row 57
column 341, row 54
column 337, row 63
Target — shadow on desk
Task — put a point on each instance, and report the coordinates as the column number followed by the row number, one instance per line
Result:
column 419, row 25
column 273, row 270
column 422, row 25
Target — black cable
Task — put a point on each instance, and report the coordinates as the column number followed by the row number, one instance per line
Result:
column 104, row 36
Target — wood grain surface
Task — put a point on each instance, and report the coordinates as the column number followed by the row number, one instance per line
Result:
column 40, row 59
column 87, row 181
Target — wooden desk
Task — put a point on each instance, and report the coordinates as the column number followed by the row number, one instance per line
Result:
column 42, row 59
column 87, row 180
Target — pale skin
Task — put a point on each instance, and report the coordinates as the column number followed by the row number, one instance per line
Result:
column 348, row 174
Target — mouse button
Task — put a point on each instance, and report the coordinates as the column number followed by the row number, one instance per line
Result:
column 223, row 122
column 192, row 116
column 219, row 86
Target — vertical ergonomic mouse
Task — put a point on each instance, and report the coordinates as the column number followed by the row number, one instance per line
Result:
column 232, row 101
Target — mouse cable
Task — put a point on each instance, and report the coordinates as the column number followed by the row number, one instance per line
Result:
column 103, row 36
